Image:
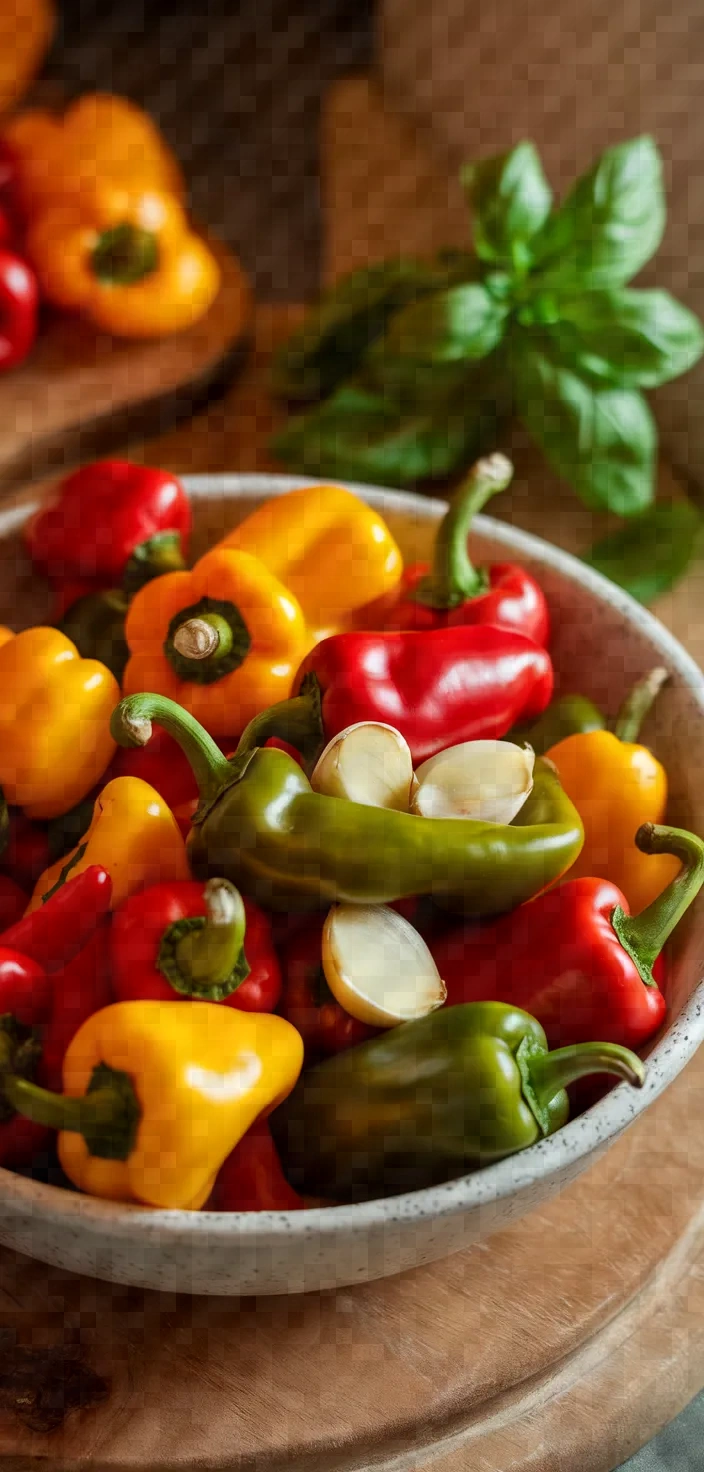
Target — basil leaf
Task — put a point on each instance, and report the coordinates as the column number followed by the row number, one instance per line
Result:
column 637, row 339
column 337, row 332
column 649, row 555
column 511, row 201
column 461, row 324
column 360, row 435
column 602, row 440
column 609, row 225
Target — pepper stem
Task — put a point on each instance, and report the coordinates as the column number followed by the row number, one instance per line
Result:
column 107, row 1115
column 454, row 578
column 160, row 554
column 643, row 936
column 204, row 638
column 131, row 725
column 299, row 721
column 203, row 956
column 550, row 1072
column 637, row 704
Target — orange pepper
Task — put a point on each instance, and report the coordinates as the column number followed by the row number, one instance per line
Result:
column 26, row 29
column 129, row 261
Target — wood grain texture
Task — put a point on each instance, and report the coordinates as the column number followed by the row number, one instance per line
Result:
column 82, row 393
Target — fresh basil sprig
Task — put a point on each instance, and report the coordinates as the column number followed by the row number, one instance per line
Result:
column 419, row 365
column 650, row 554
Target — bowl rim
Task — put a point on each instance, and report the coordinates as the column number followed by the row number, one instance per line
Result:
column 550, row 1157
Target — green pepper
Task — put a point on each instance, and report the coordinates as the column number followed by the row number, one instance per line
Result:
column 430, row 1100
column 568, row 716
column 260, row 824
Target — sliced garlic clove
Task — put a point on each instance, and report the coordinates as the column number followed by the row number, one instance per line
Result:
column 369, row 763
column 378, row 967
column 485, row 780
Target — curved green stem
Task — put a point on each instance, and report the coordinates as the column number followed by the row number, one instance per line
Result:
column 131, row 725
column 637, row 704
column 107, row 1116
column 643, row 936
column 454, row 579
column 551, row 1072
column 203, row 956
column 298, row 721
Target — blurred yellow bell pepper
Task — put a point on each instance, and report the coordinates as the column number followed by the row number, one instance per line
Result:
column 55, row 710
column 133, row 835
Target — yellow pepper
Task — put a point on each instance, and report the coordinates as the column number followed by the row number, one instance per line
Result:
column 128, row 259
column 331, row 550
column 616, row 784
column 133, row 835
column 99, row 138
column 55, row 710
column 224, row 640
column 156, row 1096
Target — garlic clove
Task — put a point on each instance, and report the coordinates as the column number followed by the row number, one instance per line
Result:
column 378, row 967
column 368, row 763
column 485, row 780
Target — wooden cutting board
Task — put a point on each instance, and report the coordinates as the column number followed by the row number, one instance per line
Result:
column 562, row 1343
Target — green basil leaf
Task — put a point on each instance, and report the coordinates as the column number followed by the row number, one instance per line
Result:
column 609, row 225
column 649, row 555
column 361, row 435
column 338, row 331
column 511, row 201
column 460, row 324
column 601, row 439
column 637, row 339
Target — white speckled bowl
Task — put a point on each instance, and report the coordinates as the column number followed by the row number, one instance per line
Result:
column 602, row 642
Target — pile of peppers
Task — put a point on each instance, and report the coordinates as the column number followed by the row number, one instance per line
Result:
column 187, row 819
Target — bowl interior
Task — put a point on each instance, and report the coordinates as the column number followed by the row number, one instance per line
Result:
column 602, row 642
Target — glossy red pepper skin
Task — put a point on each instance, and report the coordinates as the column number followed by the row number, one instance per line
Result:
column 82, row 987
column 252, row 1179
column 13, row 902
column 560, row 958
column 25, row 997
column 438, row 687
column 513, row 600
column 100, row 514
column 309, row 1005
column 19, row 309
column 63, row 925
column 137, row 933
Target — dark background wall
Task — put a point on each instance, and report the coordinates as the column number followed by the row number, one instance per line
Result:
column 236, row 89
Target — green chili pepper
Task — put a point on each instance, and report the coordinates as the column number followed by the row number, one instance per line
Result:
column 260, row 824
column 431, row 1100
column 570, row 715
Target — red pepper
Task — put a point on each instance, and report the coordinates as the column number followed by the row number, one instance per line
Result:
column 438, row 687
column 80, row 989
column 575, row 958
column 189, row 940
column 102, row 514
column 13, row 901
column 19, row 307
column 252, row 1178
column 454, row 591
column 55, row 932
column 309, row 1005
column 25, row 1003
column 26, row 854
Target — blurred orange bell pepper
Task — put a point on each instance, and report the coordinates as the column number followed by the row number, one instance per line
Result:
column 26, row 29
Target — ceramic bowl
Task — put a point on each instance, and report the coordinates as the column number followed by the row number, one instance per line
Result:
column 602, row 642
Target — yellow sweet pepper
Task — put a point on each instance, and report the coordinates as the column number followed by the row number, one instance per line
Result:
column 55, row 710
column 133, row 835
column 156, row 1096
column 331, row 550
column 224, row 640
column 128, row 259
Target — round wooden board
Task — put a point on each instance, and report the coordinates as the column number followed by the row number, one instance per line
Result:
column 82, row 393
column 564, row 1342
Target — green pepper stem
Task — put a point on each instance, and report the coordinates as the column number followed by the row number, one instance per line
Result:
column 107, row 1115
column 125, row 254
column 299, row 721
column 637, row 704
column 207, row 637
column 454, row 578
column 160, row 554
column 643, row 936
column 131, row 725
column 203, row 956
column 551, row 1072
